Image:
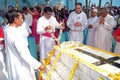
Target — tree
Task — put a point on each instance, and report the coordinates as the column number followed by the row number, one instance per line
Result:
column 75, row 1
column 99, row 6
column 87, row 10
column 5, row 4
column 17, row 4
column 111, row 5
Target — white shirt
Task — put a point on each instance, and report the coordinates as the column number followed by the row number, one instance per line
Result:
column 43, row 22
column 76, row 33
column 74, row 17
column 46, row 43
column 24, row 31
column 103, row 33
column 18, row 58
column 28, row 19
column 91, row 31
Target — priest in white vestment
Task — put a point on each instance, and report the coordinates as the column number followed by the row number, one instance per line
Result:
column 77, row 21
column 91, row 29
column 104, row 25
column 46, row 27
column 18, row 58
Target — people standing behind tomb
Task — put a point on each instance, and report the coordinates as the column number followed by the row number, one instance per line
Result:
column 63, row 16
column 46, row 28
column 18, row 59
column 77, row 21
column 104, row 25
column 91, row 29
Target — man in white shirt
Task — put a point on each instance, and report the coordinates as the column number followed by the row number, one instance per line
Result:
column 46, row 27
column 77, row 21
column 104, row 25
column 18, row 59
column 91, row 29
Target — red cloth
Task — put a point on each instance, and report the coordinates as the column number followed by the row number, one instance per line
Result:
column 1, row 35
column 116, row 34
column 49, row 34
column 34, row 26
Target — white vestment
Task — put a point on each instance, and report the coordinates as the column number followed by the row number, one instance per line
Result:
column 24, row 31
column 28, row 19
column 91, row 31
column 46, row 43
column 76, row 33
column 18, row 58
column 103, row 33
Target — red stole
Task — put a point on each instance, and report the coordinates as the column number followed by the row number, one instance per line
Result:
column 49, row 34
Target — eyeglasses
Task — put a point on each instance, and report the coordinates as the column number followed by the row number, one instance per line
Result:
column 77, row 8
column 48, row 13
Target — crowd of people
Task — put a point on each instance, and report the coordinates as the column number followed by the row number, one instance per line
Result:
column 47, row 25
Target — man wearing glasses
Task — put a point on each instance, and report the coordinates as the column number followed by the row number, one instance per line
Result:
column 46, row 28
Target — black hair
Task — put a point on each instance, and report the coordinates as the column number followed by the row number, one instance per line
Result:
column 78, row 4
column 31, row 9
column 24, row 8
column 10, row 6
column 47, row 9
column 11, row 15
